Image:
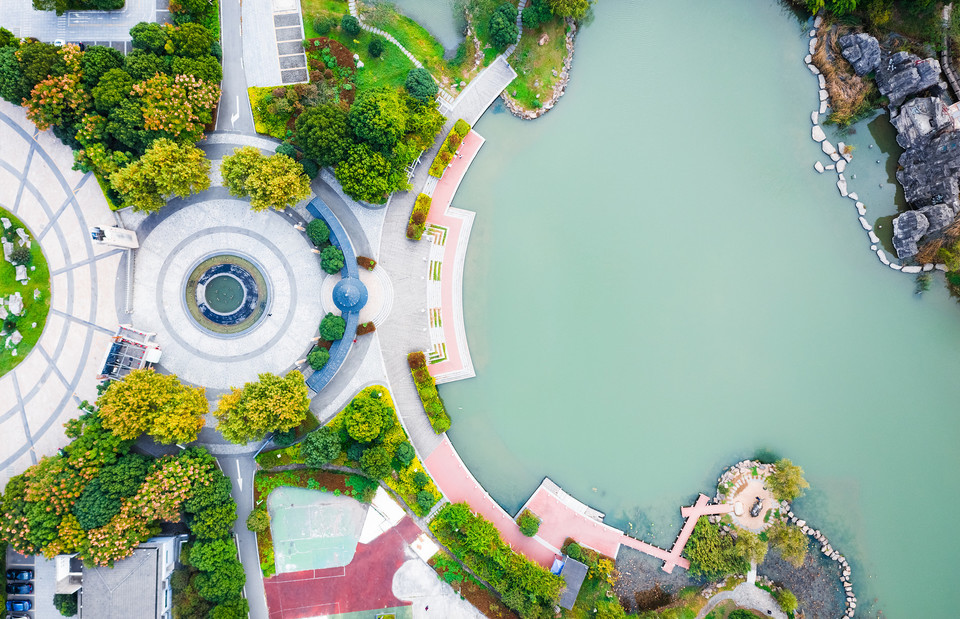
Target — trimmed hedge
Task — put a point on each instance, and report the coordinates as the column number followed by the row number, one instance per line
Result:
column 449, row 148
column 427, row 390
column 367, row 263
column 418, row 217
column 366, row 327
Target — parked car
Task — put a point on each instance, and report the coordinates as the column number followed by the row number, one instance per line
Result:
column 20, row 588
column 19, row 605
column 19, row 574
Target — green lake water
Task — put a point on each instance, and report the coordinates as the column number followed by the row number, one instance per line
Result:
column 658, row 284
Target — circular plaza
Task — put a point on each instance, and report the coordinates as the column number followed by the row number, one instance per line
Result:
column 231, row 293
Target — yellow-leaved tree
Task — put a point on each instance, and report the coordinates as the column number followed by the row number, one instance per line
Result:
column 268, row 405
column 155, row 404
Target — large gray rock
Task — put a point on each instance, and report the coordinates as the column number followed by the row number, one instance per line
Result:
column 15, row 303
column 908, row 228
column 939, row 216
column 862, row 51
column 923, row 117
column 903, row 74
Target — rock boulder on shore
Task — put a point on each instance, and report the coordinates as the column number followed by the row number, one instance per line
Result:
column 862, row 51
column 902, row 74
column 908, row 228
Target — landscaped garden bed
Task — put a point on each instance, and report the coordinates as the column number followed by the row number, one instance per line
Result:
column 418, row 217
column 427, row 390
column 469, row 588
column 20, row 329
column 366, row 435
column 449, row 148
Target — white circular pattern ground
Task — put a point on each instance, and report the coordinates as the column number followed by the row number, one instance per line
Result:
column 170, row 252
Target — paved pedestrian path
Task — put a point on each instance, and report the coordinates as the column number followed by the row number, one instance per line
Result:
column 19, row 17
column 58, row 205
column 746, row 595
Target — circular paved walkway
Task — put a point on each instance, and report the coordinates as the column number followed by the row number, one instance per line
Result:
column 59, row 205
column 176, row 245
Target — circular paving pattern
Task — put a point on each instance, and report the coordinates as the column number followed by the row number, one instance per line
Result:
column 172, row 254
column 226, row 294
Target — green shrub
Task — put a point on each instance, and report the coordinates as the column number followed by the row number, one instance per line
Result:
column 323, row 25
column 259, row 520
column 320, row 447
column 318, row 357
column 350, row 25
column 503, row 26
column 319, row 232
column 529, row 523
column 426, row 500
column 288, row 149
column 420, row 84
column 461, row 127
column 574, row 551
column 375, row 47
column 331, row 259
column 310, row 168
column 418, row 217
column 405, row 453
column 21, row 255
column 420, row 479
column 332, row 327
column 284, row 439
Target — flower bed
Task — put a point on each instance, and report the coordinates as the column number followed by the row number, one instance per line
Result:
column 427, row 390
column 418, row 217
column 449, row 148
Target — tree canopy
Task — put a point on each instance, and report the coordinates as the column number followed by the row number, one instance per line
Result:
column 167, row 169
column 156, row 404
column 787, row 481
column 712, row 554
column 503, row 26
column 276, row 181
column 420, row 84
column 569, row 8
column 323, row 132
column 270, row 404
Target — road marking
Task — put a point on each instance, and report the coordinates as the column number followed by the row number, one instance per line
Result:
column 233, row 121
column 239, row 477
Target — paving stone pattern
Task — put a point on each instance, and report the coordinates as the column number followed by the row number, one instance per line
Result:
column 19, row 17
column 59, row 206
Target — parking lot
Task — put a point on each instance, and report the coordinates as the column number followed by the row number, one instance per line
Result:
column 44, row 575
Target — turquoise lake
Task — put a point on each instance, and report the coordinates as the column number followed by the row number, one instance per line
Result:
column 658, row 284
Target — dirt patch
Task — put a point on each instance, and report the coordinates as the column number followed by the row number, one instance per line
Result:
column 816, row 583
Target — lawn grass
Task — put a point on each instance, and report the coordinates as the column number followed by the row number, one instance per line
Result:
column 535, row 63
column 412, row 36
column 389, row 70
column 35, row 311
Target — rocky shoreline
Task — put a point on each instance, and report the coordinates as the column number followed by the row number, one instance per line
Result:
column 558, row 89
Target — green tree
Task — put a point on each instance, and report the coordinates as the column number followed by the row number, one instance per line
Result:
column 123, row 479
column 66, row 603
column 318, row 358
column 189, row 40
column 210, row 495
column 365, row 175
column 12, row 80
column 711, row 554
column 332, row 327
column 786, row 482
column 113, row 87
column 259, row 520
column 482, row 537
column 366, row 419
column 331, row 259
column 751, row 547
column 60, row 6
column 426, row 500
column 375, row 47
column 420, row 84
column 125, row 126
column 787, row 600
column 206, row 68
column 158, row 404
column 166, row 169
column 569, row 8
column 270, row 404
column 503, row 26
column 235, row 608
column 142, row 65
column 319, row 232
column 405, row 453
column 790, row 542
column 7, row 38
column 215, row 522
column 323, row 132
column 537, row 12
column 96, row 61
column 378, row 118
column 150, row 37
column 320, row 447
column 350, row 25
column 94, row 508
column 276, row 181
column 226, row 583
column 375, row 462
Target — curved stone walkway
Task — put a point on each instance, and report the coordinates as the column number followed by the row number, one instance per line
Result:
column 746, row 595
column 59, row 205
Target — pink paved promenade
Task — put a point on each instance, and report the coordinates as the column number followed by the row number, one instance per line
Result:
column 457, row 232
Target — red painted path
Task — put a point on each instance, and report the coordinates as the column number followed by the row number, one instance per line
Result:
column 365, row 584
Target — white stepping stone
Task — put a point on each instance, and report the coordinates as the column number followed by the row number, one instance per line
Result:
column 817, row 134
column 873, row 237
column 841, row 165
column 912, row 269
column 928, row 267
column 866, row 225
column 882, row 256
column 818, row 167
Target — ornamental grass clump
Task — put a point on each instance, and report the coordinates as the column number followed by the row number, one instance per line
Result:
column 427, row 390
